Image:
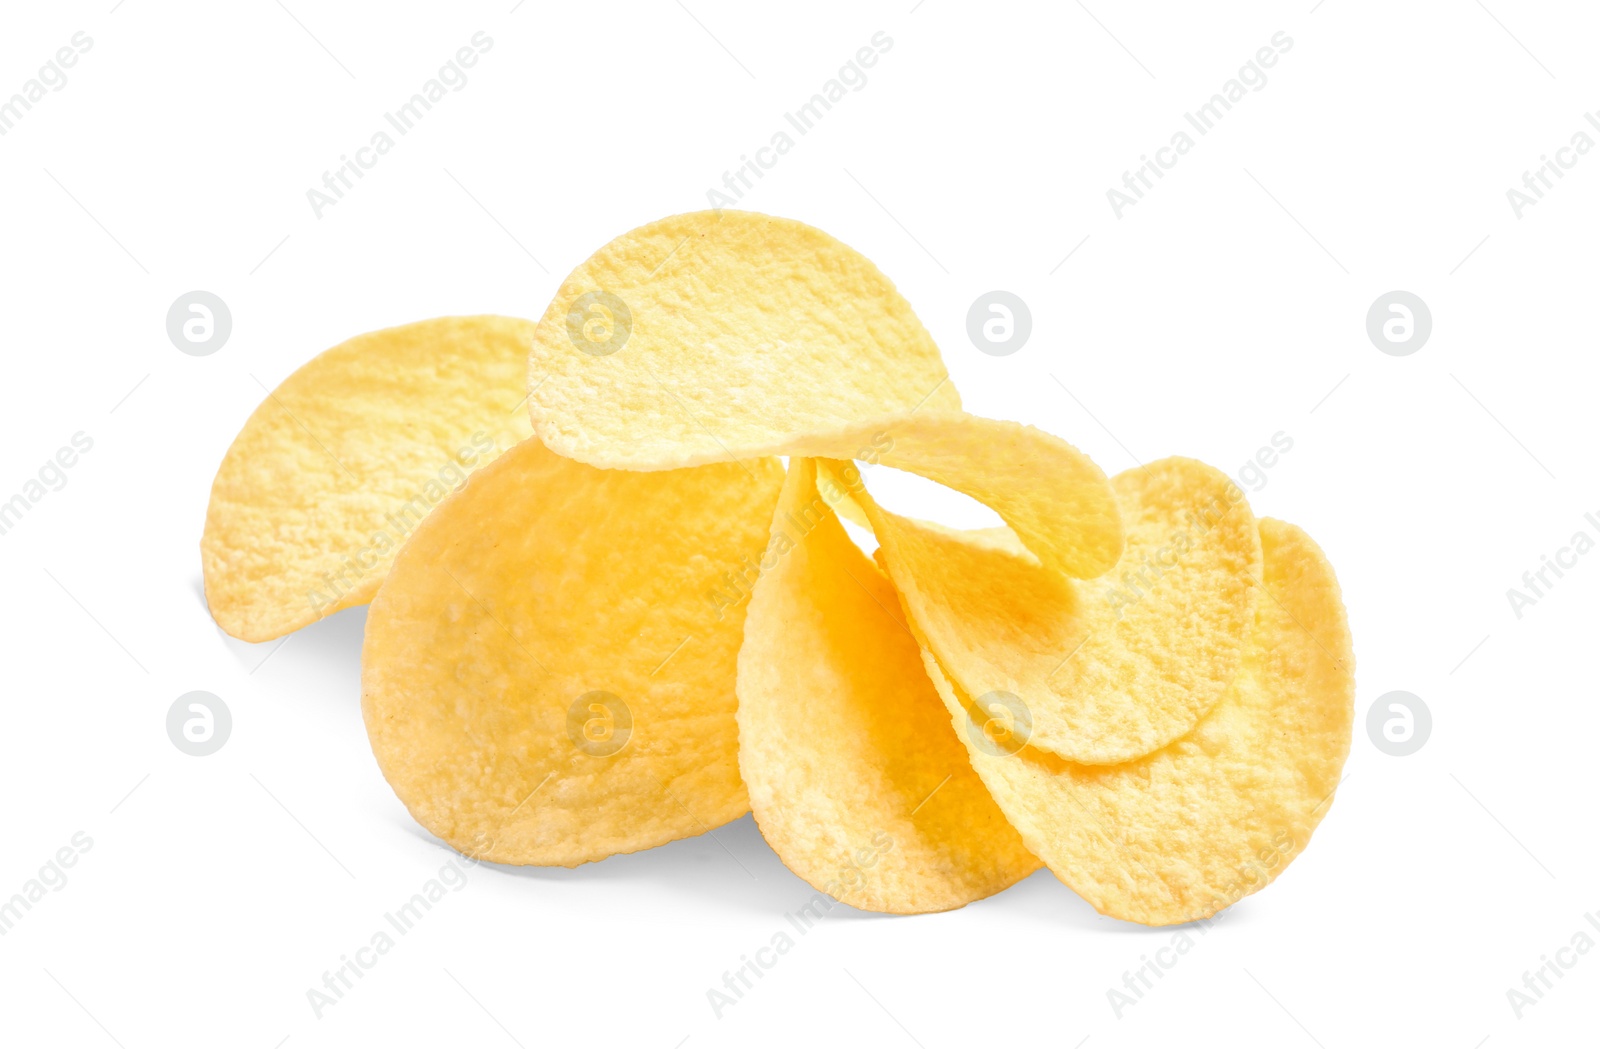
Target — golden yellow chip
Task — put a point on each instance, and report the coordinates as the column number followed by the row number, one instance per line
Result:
column 853, row 774
column 1056, row 500
column 1186, row 831
column 346, row 457
column 595, row 614
column 547, row 677
column 721, row 335
column 1107, row 669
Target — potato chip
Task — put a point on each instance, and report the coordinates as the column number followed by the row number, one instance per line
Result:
column 582, row 643
column 1184, row 832
column 344, row 459
column 544, row 679
column 1107, row 669
column 721, row 335
column 1053, row 497
column 853, row 774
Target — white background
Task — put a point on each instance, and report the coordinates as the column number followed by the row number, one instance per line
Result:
column 1225, row 307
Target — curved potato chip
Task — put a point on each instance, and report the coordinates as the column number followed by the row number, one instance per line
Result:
column 545, row 679
column 720, row 335
column 1184, row 832
column 343, row 460
column 853, row 775
column 1053, row 497
column 1109, row 669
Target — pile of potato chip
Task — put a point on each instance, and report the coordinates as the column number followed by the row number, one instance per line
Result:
column 605, row 615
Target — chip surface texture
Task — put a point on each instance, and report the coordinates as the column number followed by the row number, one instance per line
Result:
column 343, row 460
column 1111, row 668
column 719, row 335
column 854, row 776
column 547, row 677
column 1191, row 829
